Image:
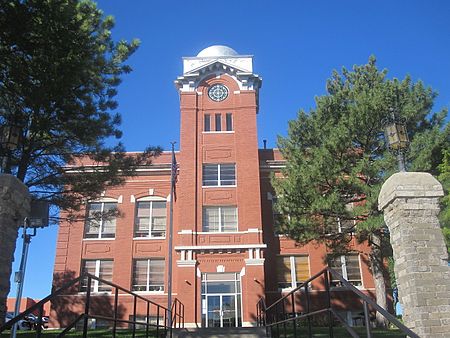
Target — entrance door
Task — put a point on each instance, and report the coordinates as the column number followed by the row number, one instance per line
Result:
column 221, row 310
column 221, row 300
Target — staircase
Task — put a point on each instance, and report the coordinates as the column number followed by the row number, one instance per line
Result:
column 220, row 332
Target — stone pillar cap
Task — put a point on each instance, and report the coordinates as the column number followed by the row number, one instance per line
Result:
column 8, row 180
column 409, row 185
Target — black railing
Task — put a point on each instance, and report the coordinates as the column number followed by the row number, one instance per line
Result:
column 283, row 317
column 159, row 328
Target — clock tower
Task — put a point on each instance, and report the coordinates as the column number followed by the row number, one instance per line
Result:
column 218, row 240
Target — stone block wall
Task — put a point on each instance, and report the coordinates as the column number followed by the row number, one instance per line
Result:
column 14, row 207
column 411, row 206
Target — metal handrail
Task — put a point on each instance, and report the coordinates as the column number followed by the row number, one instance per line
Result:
column 265, row 316
column 177, row 310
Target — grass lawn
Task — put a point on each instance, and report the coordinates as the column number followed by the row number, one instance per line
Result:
column 318, row 332
column 91, row 333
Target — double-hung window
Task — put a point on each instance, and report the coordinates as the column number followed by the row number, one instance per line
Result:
column 348, row 267
column 100, row 220
column 346, row 225
column 220, row 219
column 292, row 270
column 102, row 268
column 217, row 175
column 150, row 220
column 148, row 275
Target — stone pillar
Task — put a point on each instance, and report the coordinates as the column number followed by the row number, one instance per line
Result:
column 410, row 201
column 14, row 207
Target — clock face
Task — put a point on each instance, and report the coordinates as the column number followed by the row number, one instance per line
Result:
column 218, row 92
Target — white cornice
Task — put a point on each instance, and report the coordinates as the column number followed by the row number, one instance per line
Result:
column 221, row 247
column 245, row 78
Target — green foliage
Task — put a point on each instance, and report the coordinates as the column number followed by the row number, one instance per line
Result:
column 444, row 178
column 336, row 155
column 59, row 73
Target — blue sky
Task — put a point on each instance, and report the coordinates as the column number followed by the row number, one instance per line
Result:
column 296, row 45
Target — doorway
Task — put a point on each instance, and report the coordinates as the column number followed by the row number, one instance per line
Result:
column 221, row 300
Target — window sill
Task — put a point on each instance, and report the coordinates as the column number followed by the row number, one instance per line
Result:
column 218, row 132
column 344, row 288
column 287, row 290
column 149, row 292
column 99, row 239
column 148, row 238
column 220, row 232
column 219, row 186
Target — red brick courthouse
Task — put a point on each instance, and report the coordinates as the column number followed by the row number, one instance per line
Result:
column 226, row 254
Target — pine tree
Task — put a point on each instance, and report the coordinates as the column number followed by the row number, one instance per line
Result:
column 444, row 178
column 336, row 160
column 59, row 73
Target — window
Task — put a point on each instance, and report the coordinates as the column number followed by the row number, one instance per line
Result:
column 276, row 215
column 218, row 122
column 150, row 220
column 348, row 267
column 346, row 225
column 148, row 275
column 102, row 268
column 207, row 121
column 219, row 174
column 220, row 219
column 229, row 121
column 101, row 220
column 292, row 270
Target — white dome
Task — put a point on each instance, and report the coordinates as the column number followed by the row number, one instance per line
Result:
column 217, row 50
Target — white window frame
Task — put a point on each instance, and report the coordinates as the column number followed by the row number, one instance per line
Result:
column 294, row 271
column 349, row 207
column 149, row 199
column 147, row 286
column 103, row 201
column 344, row 272
column 220, row 219
column 219, row 183
column 95, row 283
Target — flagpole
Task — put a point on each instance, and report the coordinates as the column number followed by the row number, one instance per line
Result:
column 172, row 199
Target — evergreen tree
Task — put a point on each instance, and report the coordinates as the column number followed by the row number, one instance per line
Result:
column 59, row 73
column 337, row 160
column 444, row 178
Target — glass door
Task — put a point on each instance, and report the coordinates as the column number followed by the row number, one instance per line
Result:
column 221, row 300
column 228, row 310
column 221, row 311
column 214, row 311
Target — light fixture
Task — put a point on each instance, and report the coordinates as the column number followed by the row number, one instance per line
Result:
column 9, row 140
column 9, row 137
column 396, row 137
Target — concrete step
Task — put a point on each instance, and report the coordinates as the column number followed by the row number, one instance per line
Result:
column 221, row 332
